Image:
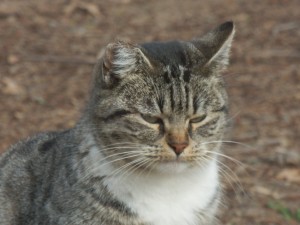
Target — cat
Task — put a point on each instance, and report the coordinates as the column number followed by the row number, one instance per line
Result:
column 144, row 152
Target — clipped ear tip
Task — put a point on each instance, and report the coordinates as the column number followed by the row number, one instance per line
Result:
column 227, row 27
column 215, row 45
column 108, row 55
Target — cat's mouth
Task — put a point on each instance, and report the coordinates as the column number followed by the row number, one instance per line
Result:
column 169, row 157
column 175, row 162
column 182, row 161
column 173, row 165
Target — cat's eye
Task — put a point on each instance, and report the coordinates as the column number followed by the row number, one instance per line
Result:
column 151, row 119
column 198, row 119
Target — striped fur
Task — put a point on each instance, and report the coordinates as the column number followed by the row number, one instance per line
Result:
column 145, row 150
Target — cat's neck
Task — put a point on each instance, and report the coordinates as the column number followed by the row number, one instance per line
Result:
column 159, row 195
column 168, row 199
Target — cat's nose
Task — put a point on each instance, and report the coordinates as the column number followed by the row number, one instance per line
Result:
column 178, row 148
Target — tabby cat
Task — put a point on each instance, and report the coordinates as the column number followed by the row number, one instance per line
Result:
column 143, row 153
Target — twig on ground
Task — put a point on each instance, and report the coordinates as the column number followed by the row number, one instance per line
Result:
column 277, row 53
column 284, row 27
column 59, row 59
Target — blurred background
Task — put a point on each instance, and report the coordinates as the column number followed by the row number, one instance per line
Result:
column 47, row 53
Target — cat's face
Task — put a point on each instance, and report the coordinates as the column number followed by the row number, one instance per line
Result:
column 162, row 106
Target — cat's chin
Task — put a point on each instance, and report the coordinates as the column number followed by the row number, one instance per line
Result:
column 173, row 167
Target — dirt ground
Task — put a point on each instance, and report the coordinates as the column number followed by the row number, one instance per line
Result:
column 47, row 52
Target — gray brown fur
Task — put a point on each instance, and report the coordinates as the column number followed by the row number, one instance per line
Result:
column 46, row 180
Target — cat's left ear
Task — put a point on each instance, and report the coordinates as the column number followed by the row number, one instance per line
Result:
column 122, row 59
column 215, row 46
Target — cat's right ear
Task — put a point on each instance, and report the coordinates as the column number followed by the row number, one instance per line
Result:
column 120, row 60
column 215, row 45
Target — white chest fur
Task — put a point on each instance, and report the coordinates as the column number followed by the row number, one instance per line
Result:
column 171, row 199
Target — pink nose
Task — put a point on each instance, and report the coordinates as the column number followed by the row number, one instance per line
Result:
column 178, row 148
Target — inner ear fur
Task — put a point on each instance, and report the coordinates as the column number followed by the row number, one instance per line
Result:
column 122, row 59
column 215, row 45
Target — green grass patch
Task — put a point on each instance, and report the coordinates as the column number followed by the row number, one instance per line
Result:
column 284, row 211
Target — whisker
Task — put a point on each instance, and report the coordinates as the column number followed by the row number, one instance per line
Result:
column 136, row 167
column 228, row 157
column 118, row 170
column 122, row 143
column 230, row 174
column 91, row 169
column 116, row 154
column 152, row 162
column 228, row 142
column 233, row 116
column 117, row 148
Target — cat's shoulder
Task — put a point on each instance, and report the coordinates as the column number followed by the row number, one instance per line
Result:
column 33, row 148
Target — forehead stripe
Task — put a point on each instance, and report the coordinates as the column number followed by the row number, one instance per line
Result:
column 172, row 99
column 167, row 78
column 187, row 95
column 187, row 76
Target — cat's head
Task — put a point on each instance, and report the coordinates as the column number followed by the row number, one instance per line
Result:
column 162, row 105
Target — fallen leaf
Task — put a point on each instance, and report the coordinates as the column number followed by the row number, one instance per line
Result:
column 13, row 59
column 89, row 7
column 265, row 191
column 290, row 175
column 11, row 87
